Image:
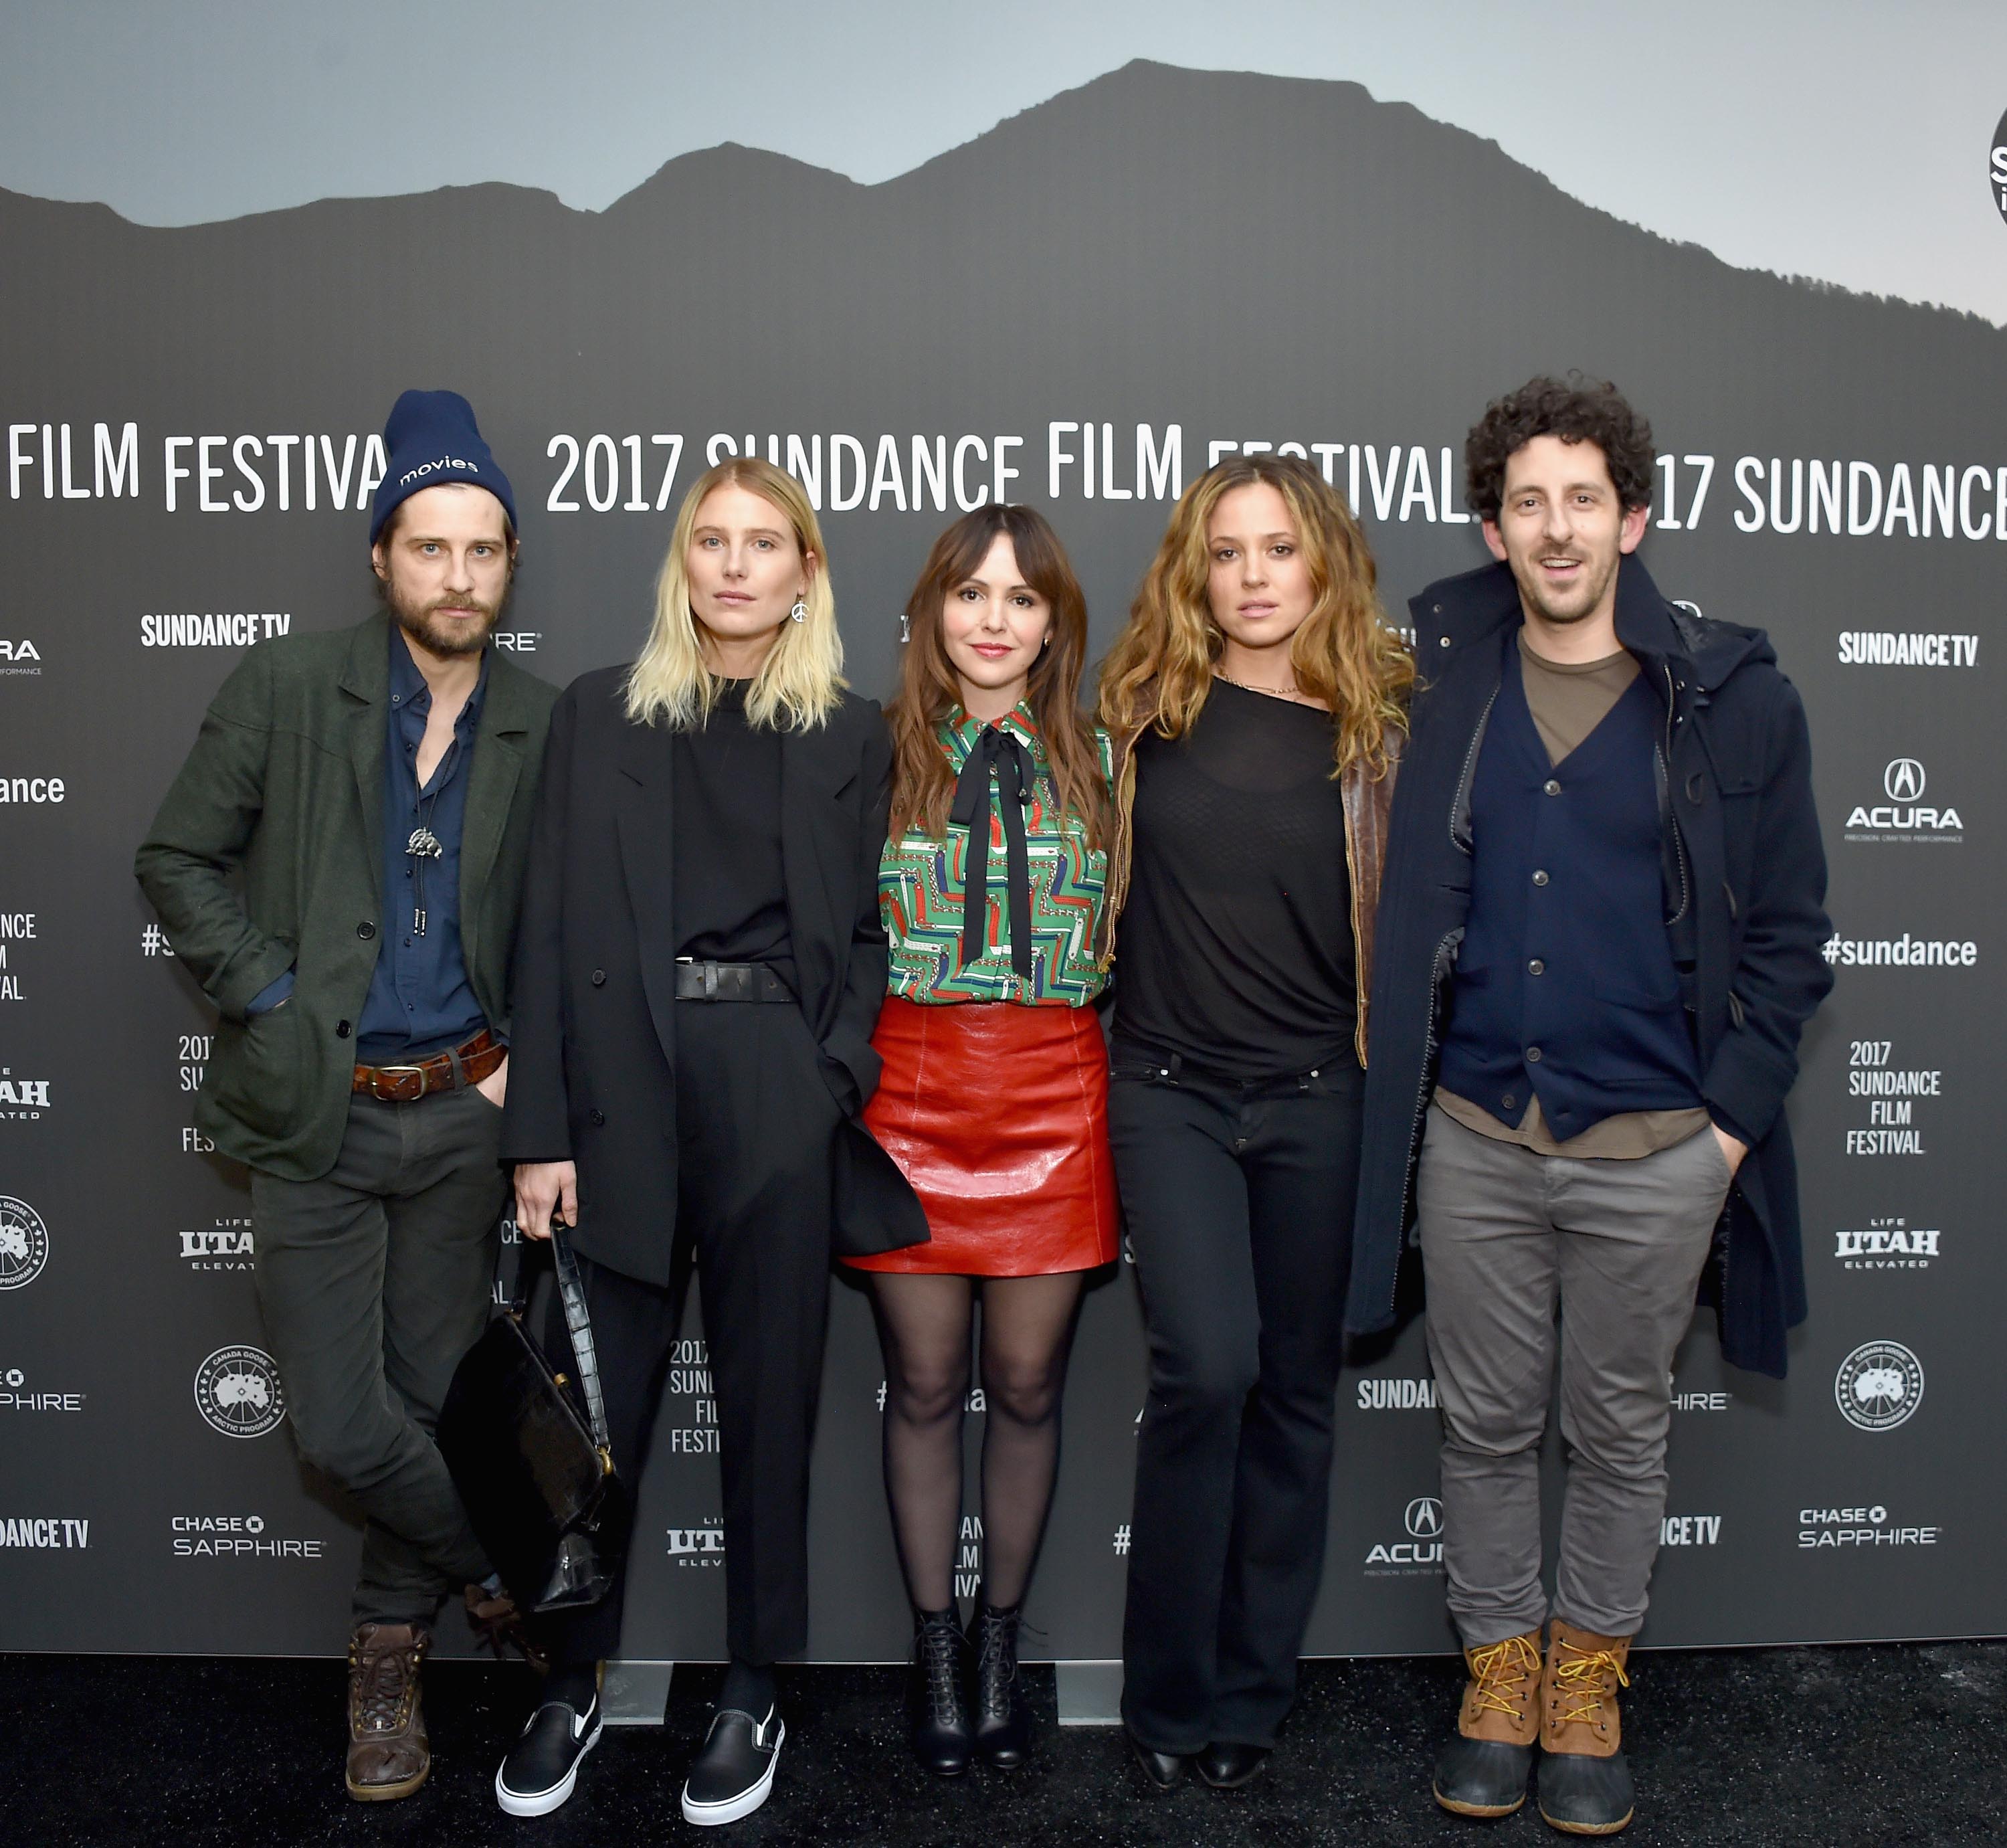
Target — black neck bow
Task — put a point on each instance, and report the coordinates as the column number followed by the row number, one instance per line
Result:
column 996, row 753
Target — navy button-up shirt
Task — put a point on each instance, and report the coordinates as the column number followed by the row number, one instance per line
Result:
column 420, row 1000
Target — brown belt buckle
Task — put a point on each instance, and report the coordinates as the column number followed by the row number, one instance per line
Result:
column 397, row 1089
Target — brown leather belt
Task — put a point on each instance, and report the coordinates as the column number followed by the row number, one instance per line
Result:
column 451, row 1071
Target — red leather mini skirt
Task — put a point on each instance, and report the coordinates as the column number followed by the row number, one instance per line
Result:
column 998, row 1115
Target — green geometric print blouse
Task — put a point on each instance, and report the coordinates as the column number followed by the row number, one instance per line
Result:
column 922, row 892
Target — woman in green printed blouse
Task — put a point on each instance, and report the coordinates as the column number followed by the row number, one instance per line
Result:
column 993, row 1101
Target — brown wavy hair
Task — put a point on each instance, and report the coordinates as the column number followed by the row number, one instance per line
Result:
column 923, row 785
column 1576, row 410
column 1160, row 670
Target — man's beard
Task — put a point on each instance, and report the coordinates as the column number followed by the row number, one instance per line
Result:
column 1533, row 589
column 421, row 623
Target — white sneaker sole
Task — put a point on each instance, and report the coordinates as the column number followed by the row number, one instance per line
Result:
column 542, row 1803
column 709, row 1815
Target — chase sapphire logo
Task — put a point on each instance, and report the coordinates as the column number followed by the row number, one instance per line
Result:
column 1997, row 171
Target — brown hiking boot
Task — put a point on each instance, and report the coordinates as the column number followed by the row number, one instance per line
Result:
column 388, row 1755
column 1585, row 1783
column 1482, row 1771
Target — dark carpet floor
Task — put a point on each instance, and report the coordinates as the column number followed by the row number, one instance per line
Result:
column 1854, row 1747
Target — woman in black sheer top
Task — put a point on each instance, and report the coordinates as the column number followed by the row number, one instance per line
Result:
column 1255, row 700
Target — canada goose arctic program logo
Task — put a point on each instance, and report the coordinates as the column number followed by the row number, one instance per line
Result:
column 1879, row 1385
column 238, row 1392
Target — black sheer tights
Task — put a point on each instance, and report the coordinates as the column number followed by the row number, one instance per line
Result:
column 924, row 1322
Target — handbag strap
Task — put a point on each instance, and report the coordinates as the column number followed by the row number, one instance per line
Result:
column 578, row 1324
column 571, row 1293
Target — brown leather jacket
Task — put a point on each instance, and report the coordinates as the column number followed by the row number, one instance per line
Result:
column 1368, row 800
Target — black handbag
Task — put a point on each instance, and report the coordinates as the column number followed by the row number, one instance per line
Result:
column 537, row 1479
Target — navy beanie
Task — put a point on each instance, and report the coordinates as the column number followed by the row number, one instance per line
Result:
column 431, row 439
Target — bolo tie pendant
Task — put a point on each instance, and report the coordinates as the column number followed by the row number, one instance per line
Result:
column 423, row 845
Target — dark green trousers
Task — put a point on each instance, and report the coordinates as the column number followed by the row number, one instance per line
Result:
column 375, row 1280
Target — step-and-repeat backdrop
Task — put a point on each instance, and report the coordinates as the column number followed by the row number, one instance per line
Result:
column 1080, row 310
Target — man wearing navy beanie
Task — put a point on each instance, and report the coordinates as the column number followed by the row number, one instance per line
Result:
column 340, row 863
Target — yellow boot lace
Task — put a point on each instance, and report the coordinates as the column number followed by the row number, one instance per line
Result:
column 1581, row 1684
column 1499, row 1666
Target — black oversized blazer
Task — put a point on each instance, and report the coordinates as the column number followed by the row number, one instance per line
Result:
column 592, row 1062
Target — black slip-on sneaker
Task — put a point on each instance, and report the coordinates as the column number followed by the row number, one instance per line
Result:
column 541, row 1769
column 734, row 1768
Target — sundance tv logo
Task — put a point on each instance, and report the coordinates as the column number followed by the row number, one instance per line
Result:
column 55, row 1532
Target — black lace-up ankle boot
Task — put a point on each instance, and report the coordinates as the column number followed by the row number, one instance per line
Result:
column 1002, row 1727
column 937, row 1716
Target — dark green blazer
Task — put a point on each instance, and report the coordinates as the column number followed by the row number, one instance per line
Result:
column 266, row 856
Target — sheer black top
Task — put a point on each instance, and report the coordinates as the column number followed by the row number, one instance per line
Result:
column 1235, row 949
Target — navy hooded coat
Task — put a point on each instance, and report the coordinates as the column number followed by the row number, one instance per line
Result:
column 1745, row 891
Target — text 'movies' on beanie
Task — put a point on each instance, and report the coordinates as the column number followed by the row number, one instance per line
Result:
column 431, row 440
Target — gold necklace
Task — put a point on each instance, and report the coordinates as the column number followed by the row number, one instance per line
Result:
column 1273, row 692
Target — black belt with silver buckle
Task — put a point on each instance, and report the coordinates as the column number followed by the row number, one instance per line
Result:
column 728, row 981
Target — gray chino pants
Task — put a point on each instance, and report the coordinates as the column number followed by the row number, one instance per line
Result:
column 374, row 1280
column 1507, row 1237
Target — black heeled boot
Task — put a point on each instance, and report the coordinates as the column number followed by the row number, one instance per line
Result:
column 937, row 1717
column 1002, row 1726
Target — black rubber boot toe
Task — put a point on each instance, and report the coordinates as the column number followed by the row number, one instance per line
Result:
column 1584, row 1796
column 1482, row 1777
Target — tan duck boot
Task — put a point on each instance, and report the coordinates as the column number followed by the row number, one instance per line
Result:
column 1585, row 1783
column 1483, row 1770
column 388, row 1755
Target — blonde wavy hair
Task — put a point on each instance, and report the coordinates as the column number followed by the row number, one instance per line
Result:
column 800, row 683
column 1160, row 670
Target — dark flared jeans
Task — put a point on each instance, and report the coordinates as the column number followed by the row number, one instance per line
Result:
column 1239, row 1200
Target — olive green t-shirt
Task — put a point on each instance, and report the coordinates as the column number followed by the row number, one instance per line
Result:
column 1569, row 700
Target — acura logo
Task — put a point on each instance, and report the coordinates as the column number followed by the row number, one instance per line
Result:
column 1424, row 1518
column 1903, row 781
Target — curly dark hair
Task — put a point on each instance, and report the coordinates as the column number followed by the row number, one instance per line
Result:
column 1576, row 410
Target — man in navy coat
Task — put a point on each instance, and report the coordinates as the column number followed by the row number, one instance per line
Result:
column 1600, row 929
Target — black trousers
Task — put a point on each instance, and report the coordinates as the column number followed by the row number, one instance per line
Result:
column 1239, row 1200
column 755, row 1124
